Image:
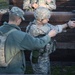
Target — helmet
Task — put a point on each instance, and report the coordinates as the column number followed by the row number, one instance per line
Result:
column 42, row 13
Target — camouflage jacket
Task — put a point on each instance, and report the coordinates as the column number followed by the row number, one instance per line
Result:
column 36, row 31
column 49, row 4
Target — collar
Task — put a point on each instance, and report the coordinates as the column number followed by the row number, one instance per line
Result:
column 12, row 26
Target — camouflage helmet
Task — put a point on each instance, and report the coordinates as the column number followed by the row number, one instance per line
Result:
column 42, row 13
column 17, row 11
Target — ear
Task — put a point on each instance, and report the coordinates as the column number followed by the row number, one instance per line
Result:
column 17, row 19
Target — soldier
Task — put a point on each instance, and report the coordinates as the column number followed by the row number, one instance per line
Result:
column 14, row 42
column 40, row 59
column 33, row 4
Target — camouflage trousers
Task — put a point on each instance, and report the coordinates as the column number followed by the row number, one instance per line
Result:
column 42, row 66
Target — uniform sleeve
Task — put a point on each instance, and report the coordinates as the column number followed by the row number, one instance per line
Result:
column 31, row 43
column 26, row 4
column 58, row 28
column 51, row 4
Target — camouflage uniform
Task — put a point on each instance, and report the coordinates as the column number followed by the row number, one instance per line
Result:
column 50, row 5
column 42, row 66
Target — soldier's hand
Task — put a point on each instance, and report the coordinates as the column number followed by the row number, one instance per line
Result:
column 71, row 24
column 52, row 33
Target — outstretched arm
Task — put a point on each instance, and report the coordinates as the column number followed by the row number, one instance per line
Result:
column 69, row 24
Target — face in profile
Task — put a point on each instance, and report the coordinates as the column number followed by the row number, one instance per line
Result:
column 18, row 20
column 44, row 21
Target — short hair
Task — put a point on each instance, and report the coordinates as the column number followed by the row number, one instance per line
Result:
column 12, row 16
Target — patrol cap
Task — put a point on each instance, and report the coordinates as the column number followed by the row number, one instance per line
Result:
column 17, row 11
column 42, row 13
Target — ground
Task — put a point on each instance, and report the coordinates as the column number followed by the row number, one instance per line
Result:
column 57, row 68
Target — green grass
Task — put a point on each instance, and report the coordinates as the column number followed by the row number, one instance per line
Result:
column 56, row 70
column 29, row 70
column 2, row 0
column 66, row 70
